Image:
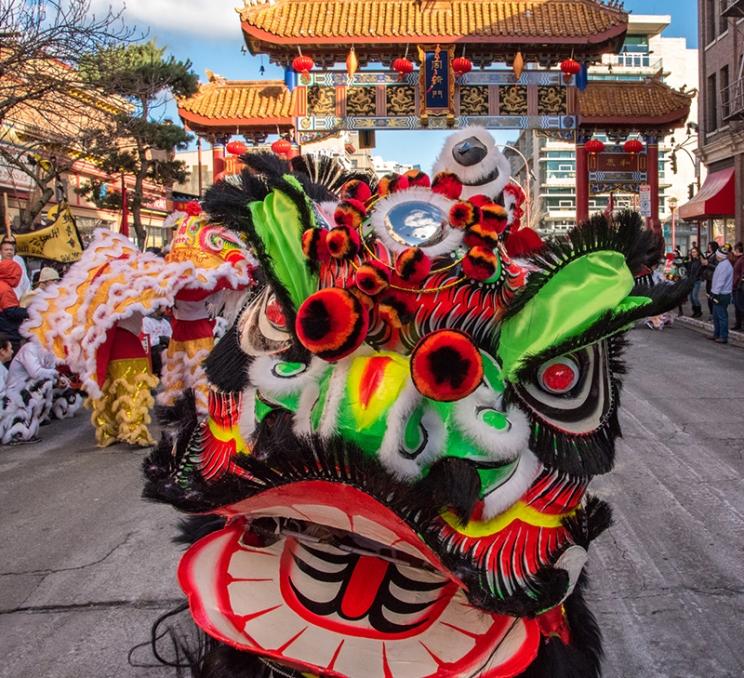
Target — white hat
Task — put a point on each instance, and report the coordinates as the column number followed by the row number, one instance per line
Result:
column 48, row 274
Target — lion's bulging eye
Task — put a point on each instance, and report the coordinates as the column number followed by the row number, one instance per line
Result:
column 559, row 376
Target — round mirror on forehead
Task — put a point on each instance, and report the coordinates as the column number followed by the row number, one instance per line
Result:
column 415, row 223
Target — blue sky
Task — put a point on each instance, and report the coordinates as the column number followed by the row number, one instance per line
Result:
column 208, row 33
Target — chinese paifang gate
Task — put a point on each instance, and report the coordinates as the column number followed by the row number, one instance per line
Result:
column 403, row 422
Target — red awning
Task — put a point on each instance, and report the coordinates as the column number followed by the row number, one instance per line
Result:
column 714, row 199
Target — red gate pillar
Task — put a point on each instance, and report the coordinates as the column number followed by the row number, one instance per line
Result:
column 218, row 159
column 582, row 183
column 652, row 151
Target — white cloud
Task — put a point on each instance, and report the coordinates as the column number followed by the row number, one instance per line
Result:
column 206, row 18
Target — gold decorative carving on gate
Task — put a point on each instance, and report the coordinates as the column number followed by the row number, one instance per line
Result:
column 474, row 100
column 321, row 100
column 400, row 100
column 551, row 100
column 514, row 100
column 361, row 101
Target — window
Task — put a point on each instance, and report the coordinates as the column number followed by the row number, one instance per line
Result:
column 710, row 21
column 725, row 101
column 722, row 20
column 637, row 44
column 711, row 108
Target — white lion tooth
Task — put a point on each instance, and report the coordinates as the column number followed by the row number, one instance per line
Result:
column 370, row 530
column 277, row 628
column 315, row 646
column 257, row 563
column 326, row 515
column 407, row 659
column 459, row 614
column 360, row 657
column 253, row 597
column 203, row 575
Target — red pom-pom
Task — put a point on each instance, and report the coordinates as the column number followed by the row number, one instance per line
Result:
column 372, row 278
column 447, row 184
column 350, row 213
column 481, row 263
column 391, row 183
column 493, row 217
column 356, row 189
column 480, row 200
column 413, row 265
column 332, row 323
column 480, row 234
column 446, row 365
column 314, row 245
column 417, row 178
column 523, row 242
column 396, row 309
column 193, row 208
column 463, row 214
column 343, row 242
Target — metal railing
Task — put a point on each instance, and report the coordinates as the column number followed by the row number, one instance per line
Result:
column 632, row 60
column 732, row 8
column 732, row 100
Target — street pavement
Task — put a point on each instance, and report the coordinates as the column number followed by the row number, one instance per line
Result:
column 87, row 565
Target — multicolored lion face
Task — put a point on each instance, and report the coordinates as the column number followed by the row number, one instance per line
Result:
column 403, row 424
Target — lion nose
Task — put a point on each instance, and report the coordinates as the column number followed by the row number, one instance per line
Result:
column 469, row 152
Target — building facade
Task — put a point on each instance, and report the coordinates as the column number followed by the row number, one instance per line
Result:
column 719, row 206
column 551, row 163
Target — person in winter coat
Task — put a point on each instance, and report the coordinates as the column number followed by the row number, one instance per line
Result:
column 694, row 268
column 709, row 263
column 738, row 286
column 11, row 314
column 721, row 286
column 28, row 394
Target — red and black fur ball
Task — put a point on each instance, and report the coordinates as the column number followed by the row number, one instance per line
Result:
column 356, row 189
column 396, row 309
column 412, row 265
column 372, row 278
column 343, row 242
column 314, row 244
column 446, row 366
column 448, row 185
column 480, row 263
column 350, row 213
column 418, row 178
column 391, row 183
column 463, row 214
column 332, row 323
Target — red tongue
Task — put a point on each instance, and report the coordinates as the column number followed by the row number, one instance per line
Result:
column 366, row 580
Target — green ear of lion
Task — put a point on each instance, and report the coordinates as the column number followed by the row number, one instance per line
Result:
column 566, row 306
column 278, row 224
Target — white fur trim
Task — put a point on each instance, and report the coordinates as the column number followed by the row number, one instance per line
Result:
column 494, row 159
column 389, row 453
column 336, row 389
column 500, row 445
column 261, row 374
column 247, row 419
column 506, row 495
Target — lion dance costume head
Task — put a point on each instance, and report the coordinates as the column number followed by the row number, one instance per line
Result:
column 402, row 427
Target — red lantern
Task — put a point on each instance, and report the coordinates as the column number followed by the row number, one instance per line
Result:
column 303, row 65
column 282, row 147
column 236, row 148
column 632, row 146
column 594, row 146
column 461, row 66
column 403, row 67
column 570, row 67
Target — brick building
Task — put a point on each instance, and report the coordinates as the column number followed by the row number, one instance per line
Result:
column 719, row 205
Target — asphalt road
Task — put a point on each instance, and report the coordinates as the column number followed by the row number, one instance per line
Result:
column 87, row 565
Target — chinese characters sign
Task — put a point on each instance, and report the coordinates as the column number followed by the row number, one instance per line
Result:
column 436, row 79
column 617, row 171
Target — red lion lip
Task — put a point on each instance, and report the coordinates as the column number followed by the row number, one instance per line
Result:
column 341, row 613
